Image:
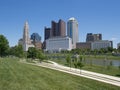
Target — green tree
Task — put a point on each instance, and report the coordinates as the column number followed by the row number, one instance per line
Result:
column 75, row 62
column 32, row 52
column 119, row 69
column 110, row 65
column 4, row 46
column 80, row 63
column 91, row 62
column 17, row 51
column 40, row 56
column 95, row 52
column 110, row 49
column 35, row 54
column 101, row 51
column 118, row 49
column 68, row 60
column 84, row 59
column 115, row 50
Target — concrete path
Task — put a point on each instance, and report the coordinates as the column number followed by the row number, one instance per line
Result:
column 87, row 74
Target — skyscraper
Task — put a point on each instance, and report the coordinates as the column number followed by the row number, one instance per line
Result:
column 54, row 29
column 58, row 29
column 72, row 30
column 47, row 33
column 26, row 40
column 62, row 28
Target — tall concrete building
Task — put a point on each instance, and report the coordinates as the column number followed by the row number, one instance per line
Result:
column 62, row 28
column 54, row 29
column 58, row 29
column 72, row 31
column 26, row 40
column 93, row 37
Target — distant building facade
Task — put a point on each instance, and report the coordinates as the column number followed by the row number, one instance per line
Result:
column 93, row 37
column 101, row 44
column 56, row 44
column 83, row 45
column 72, row 31
column 118, row 45
column 38, row 45
column 20, row 42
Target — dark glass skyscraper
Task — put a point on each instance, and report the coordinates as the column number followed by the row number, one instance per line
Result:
column 35, row 37
column 47, row 33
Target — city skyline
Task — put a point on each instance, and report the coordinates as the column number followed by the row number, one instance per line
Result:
column 93, row 16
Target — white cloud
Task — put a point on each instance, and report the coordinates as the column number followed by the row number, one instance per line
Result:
column 113, row 39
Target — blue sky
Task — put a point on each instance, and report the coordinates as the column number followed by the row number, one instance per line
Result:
column 94, row 16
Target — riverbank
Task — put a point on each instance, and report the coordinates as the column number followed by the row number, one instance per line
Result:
column 20, row 76
column 106, row 69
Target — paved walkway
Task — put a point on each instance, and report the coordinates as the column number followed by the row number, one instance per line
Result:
column 87, row 74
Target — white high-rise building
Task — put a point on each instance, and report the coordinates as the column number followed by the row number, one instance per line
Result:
column 72, row 31
column 26, row 40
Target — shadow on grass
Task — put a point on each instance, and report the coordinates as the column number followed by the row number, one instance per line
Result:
column 118, row 75
column 66, row 64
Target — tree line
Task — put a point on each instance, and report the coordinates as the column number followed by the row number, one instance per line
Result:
column 76, row 60
column 17, row 51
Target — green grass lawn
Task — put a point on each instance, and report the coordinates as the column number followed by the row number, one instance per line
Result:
column 15, row 75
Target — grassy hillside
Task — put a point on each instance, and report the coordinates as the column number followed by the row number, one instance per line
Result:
column 18, row 76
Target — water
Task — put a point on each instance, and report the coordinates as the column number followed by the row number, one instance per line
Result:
column 104, row 62
column 96, row 62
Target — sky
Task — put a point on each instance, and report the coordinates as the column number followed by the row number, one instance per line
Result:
column 93, row 16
